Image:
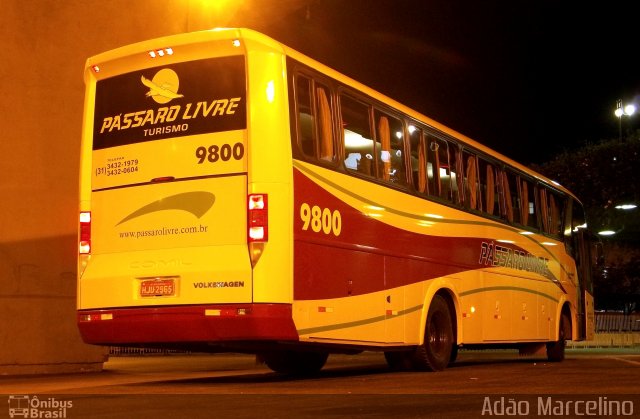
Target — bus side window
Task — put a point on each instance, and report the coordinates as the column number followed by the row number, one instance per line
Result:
column 325, row 131
column 456, row 172
column 551, row 211
column 544, row 208
column 510, row 189
column 418, row 159
column 472, row 185
column 315, row 132
column 488, row 187
column 433, row 176
column 575, row 220
column 306, row 126
column 438, row 168
column 390, row 148
column 557, row 205
column 358, row 146
column 528, row 201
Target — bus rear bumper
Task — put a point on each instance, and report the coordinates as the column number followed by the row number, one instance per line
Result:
column 187, row 324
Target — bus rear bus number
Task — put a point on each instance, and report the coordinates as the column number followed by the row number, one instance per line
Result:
column 225, row 152
column 320, row 219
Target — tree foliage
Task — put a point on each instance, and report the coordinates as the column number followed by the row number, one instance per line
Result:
column 617, row 286
column 602, row 176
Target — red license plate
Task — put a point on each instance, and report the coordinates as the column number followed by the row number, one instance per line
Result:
column 158, row 288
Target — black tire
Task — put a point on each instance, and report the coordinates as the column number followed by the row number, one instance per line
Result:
column 555, row 350
column 295, row 362
column 454, row 354
column 435, row 353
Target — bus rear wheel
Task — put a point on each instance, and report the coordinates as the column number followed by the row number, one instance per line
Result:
column 555, row 350
column 295, row 362
column 436, row 351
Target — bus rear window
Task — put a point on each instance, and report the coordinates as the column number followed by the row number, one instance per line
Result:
column 175, row 100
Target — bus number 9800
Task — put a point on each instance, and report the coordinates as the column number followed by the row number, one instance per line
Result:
column 320, row 219
column 225, row 152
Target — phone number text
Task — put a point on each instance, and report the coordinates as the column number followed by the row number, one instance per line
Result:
column 116, row 168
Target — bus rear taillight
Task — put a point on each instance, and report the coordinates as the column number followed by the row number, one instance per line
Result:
column 84, row 246
column 257, row 218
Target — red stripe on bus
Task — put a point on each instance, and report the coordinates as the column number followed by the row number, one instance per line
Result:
column 188, row 324
column 368, row 255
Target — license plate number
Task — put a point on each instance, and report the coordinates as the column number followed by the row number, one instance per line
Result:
column 158, row 288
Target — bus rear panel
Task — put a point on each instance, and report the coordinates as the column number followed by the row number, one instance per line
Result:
column 167, row 216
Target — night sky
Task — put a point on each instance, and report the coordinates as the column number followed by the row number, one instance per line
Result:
column 529, row 79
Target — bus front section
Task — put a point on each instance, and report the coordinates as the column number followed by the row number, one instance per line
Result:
column 170, row 227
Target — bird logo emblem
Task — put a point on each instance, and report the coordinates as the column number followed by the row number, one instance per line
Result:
column 163, row 87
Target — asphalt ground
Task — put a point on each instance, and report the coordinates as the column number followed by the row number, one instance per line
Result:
column 479, row 384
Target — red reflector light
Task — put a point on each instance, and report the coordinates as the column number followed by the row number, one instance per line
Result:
column 84, row 246
column 257, row 218
column 94, row 317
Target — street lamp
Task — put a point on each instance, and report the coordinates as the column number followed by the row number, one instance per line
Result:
column 626, row 207
column 628, row 110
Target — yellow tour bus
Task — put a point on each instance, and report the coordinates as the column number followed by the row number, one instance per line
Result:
column 238, row 196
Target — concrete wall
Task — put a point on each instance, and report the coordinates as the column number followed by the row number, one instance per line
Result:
column 43, row 47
